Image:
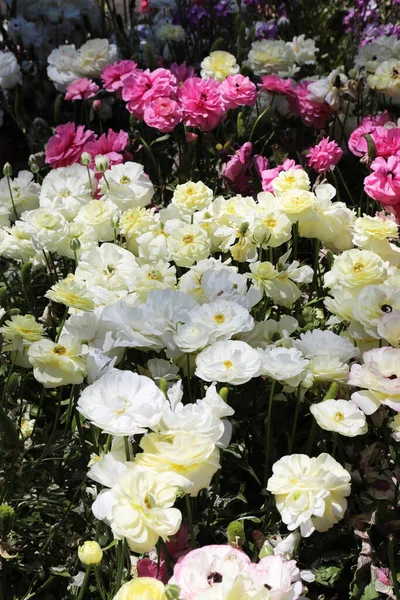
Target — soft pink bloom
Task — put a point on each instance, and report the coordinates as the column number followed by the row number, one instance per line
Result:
column 237, row 169
column 312, row 112
column 280, row 576
column 111, row 144
column 97, row 105
column 201, row 568
column 324, row 155
column 237, row 90
column 67, row 144
column 201, row 102
column 81, row 89
column 274, row 83
column 150, row 568
column 384, row 183
column 387, row 141
column 383, row 575
column 143, row 87
column 181, row 72
column 260, row 164
column 113, row 76
column 357, row 142
column 163, row 113
column 269, row 175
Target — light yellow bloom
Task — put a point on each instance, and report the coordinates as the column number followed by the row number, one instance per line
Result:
column 71, row 293
column 21, row 330
column 142, row 588
column 191, row 196
column 56, row 364
column 219, row 65
column 90, row 553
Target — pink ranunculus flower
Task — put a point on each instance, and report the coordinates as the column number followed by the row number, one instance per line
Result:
column 268, row 175
column 114, row 75
column 237, row 169
column 324, row 155
column 201, row 102
column 181, row 71
column 281, row 577
column 67, row 144
column 150, row 568
column 178, row 544
column 384, row 182
column 81, row 89
column 237, row 90
column 387, row 141
column 312, row 112
column 357, row 142
column 111, row 144
column 205, row 567
column 274, row 83
column 143, row 87
column 163, row 113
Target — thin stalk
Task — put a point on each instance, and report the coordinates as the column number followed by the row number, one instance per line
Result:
column 268, row 423
column 84, row 585
column 12, row 198
column 190, row 522
column 166, row 556
column 100, row 584
column 295, row 419
column 120, row 564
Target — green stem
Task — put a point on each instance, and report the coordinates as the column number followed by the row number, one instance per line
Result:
column 127, row 449
column 62, row 324
column 296, row 416
column 120, row 564
column 268, row 423
column 190, row 522
column 12, row 198
column 100, row 584
column 258, row 120
column 84, row 583
column 166, row 556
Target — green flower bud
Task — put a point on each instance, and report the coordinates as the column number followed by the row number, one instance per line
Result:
column 75, row 244
column 90, row 553
column 243, row 228
column 223, row 392
column 7, row 516
column 114, row 221
column 163, row 386
column 102, row 162
column 172, row 592
column 7, row 170
column 235, row 533
column 86, row 159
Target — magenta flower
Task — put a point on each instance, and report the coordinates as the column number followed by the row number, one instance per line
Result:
column 237, row 169
column 163, row 113
column 387, row 141
column 150, row 568
column 201, row 102
column 143, row 87
column 357, row 142
column 81, row 89
column 113, row 76
column 324, row 156
column 384, row 183
column 274, row 83
column 312, row 112
column 181, row 72
column 268, row 175
column 67, row 144
column 237, row 90
column 111, row 144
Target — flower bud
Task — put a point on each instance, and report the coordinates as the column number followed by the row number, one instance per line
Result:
column 102, row 162
column 86, row 159
column 191, row 137
column 219, row 147
column 75, row 244
column 7, row 170
column 115, row 221
column 243, row 228
column 266, row 550
column 90, row 553
column 97, row 105
column 7, row 515
column 235, row 533
column 172, row 592
column 163, row 386
column 223, row 392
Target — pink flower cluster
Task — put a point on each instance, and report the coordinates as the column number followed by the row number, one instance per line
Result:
column 164, row 98
column 383, row 184
column 324, row 156
column 68, row 143
column 268, row 175
column 81, row 89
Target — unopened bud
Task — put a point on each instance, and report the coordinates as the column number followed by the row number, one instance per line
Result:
column 85, row 159
column 102, row 162
column 172, row 592
column 97, row 105
column 7, row 515
column 235, row 533
column 114, row 221
column 163, row 386
column 7, row 170
column 243, row 228
column 223, row 392
column 90, row 553
column 219, row 147
column 75, row 244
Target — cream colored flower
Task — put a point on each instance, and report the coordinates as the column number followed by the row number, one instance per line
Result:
column 296, row 204
column 389, row 328
column 71, row 293
column 171, row 33
column 219, row 65
column 187, row 243
column 340, row 416
column 354, row 269
column 386, row 78
column 142, row 588
column 232, row 362
column 95, row 55
column 140, row 509
column 56, row 364
column 189, row 460
column 90, row 553
column 373, row 302
column 270, row 56
column 21, row 331
column 191, row 196
column 97, row 215
column 310, row 493
column 292, row 179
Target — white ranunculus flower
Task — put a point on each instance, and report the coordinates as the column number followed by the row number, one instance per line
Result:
column 283, row 364
column 225, row 284
column 16, row 243
column 122, row 403
column 151, row 276
column 304, row 50
column 232, row 362
column 270, row 56
column 108, row 266
column 270, row 332
column 189, row 460
column 110, row 468
column 187, row 243
column 72, row 294
column 292, row 180
column 95, row 55
column 128, row 327
column 139, row 508
column 379, row 377
column 97, row 215
column 25, row 193
column 191, row 336
column 191, row 196
column 354, row 269
column 373, row 302
column 63, row 66
column 128, row 186
column 67, row 189
column 47, row 227
column 218, row 65
column 58, row 363
column 340, row 416
column 10, row 71
column 310, row 493
column 389, row 327
column 222, row 319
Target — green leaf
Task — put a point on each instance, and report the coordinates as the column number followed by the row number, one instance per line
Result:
column 328, row 576
column 370, row 592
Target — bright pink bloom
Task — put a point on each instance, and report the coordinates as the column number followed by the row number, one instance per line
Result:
column 274, row 83
column 357, row 142
column 383, row 575
column 181, row 72
column 163, row 113
column 387, row 141
column 144, row 7
column 113, row 76
column 237, row 90
column 269, row 175
column 312, row 113
column 324, row 155
column 111, row 144
column 81, row 89
column 201, row 102
column 143, row 87
column 237, row 169
column 384, row 183
column 67, row 144
column 150, row 568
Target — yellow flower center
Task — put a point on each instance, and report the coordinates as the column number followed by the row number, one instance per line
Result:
column 339, row 416
column 187, row 239
column 124, row 180
column 60, row 350
column 219, row 318
column 228, row 364
column 358, row 266
column 154, row 275
column 270, row 222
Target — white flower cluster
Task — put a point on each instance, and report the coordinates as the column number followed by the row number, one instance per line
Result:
column 283, row 58
column 379, row 62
